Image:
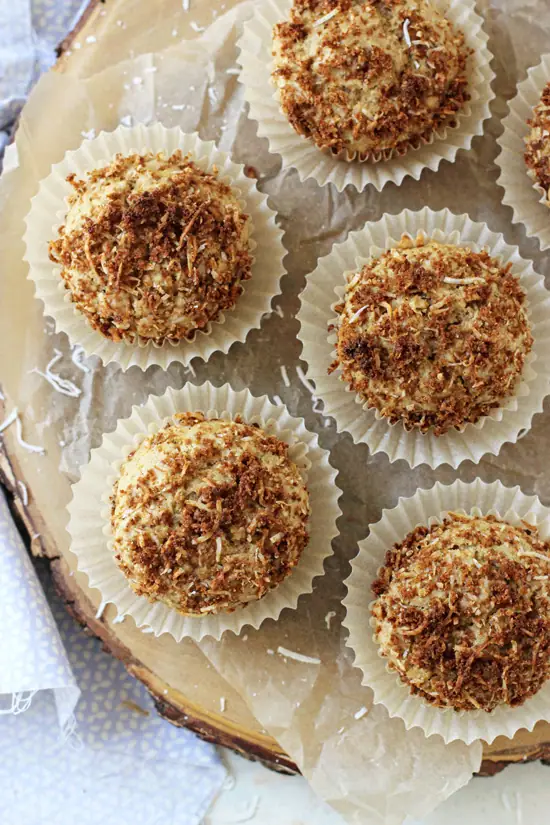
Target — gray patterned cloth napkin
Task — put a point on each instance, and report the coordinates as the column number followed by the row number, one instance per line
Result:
column 80, row 739
column 74, row 726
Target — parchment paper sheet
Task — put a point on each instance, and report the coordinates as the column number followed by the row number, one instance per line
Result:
column 367, row 768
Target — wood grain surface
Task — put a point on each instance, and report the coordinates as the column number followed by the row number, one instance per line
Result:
column 192, row 701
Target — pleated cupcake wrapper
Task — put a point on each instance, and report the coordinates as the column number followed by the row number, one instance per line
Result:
column 325, row 288
column 429, row 507
column 296, row 151
column 48, row 211
column 522, row 193
column 89, row 510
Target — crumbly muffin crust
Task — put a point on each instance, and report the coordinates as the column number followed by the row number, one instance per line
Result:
column 463, row 612
column 369, row 77
column 153, row 247
column 537, row 152
column 208, row 515
column 433, row 335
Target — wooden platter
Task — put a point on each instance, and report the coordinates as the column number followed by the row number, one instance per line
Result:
column 187, row 694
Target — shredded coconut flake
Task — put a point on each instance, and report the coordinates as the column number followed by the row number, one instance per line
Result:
column 299, row 657
column 325, row 18
column 360, row 713
column 233, row 70
column 330, row 615
column 100, row 610
column 32, row 448
column 284, row 375
column 9, row 420
column 534, row 554
column 356, row 315
column 186, row 4
column 307, row 384
column 222, row 704
column 218, row 548
column 77, row 357
column 24, row 493
column 279, row 311
column 60, row 385
column 406, row 34
column 463, row 280
column 277, row 399
column 317, row 405
column 196, row 27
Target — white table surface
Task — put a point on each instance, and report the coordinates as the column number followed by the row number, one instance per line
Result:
column 520, row 795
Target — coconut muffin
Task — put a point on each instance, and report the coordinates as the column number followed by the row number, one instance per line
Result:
column 153, row 248
column 432, row 335
column 369, row 77
column 462, row 612
column 537, row 152
column 208, row 515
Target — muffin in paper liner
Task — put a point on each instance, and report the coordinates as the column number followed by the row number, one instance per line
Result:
column 89, row 511
column 325, row 288
column 427, row 507
column 48, row 211
column 256, row 62
column 522, row 193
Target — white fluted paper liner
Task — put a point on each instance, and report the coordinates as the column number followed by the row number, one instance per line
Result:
column 325, row 287
column 89, row 525
column 521, row 191
column 428, row 507
column 256, row 62
column 47, row 213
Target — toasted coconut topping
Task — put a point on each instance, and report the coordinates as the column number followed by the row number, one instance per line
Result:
column 351, row 78
column 208, row 515
column 433, row 335
column 537, row 153
column 153, row 248
column 463, row 612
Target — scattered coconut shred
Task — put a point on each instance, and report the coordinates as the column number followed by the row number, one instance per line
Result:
column 60, row 385
column 12, row 418
column 284, row 375
column 77, row 357
column 24, row 493
column 298, row 657
column 325, row 18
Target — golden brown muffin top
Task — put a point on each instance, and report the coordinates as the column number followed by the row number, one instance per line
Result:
column 462, row 612
column 368, row 76
column 208, row 515
column 153, row 247
column 433, row 335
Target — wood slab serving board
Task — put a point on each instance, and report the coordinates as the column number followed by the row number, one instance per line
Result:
column 188, row 694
